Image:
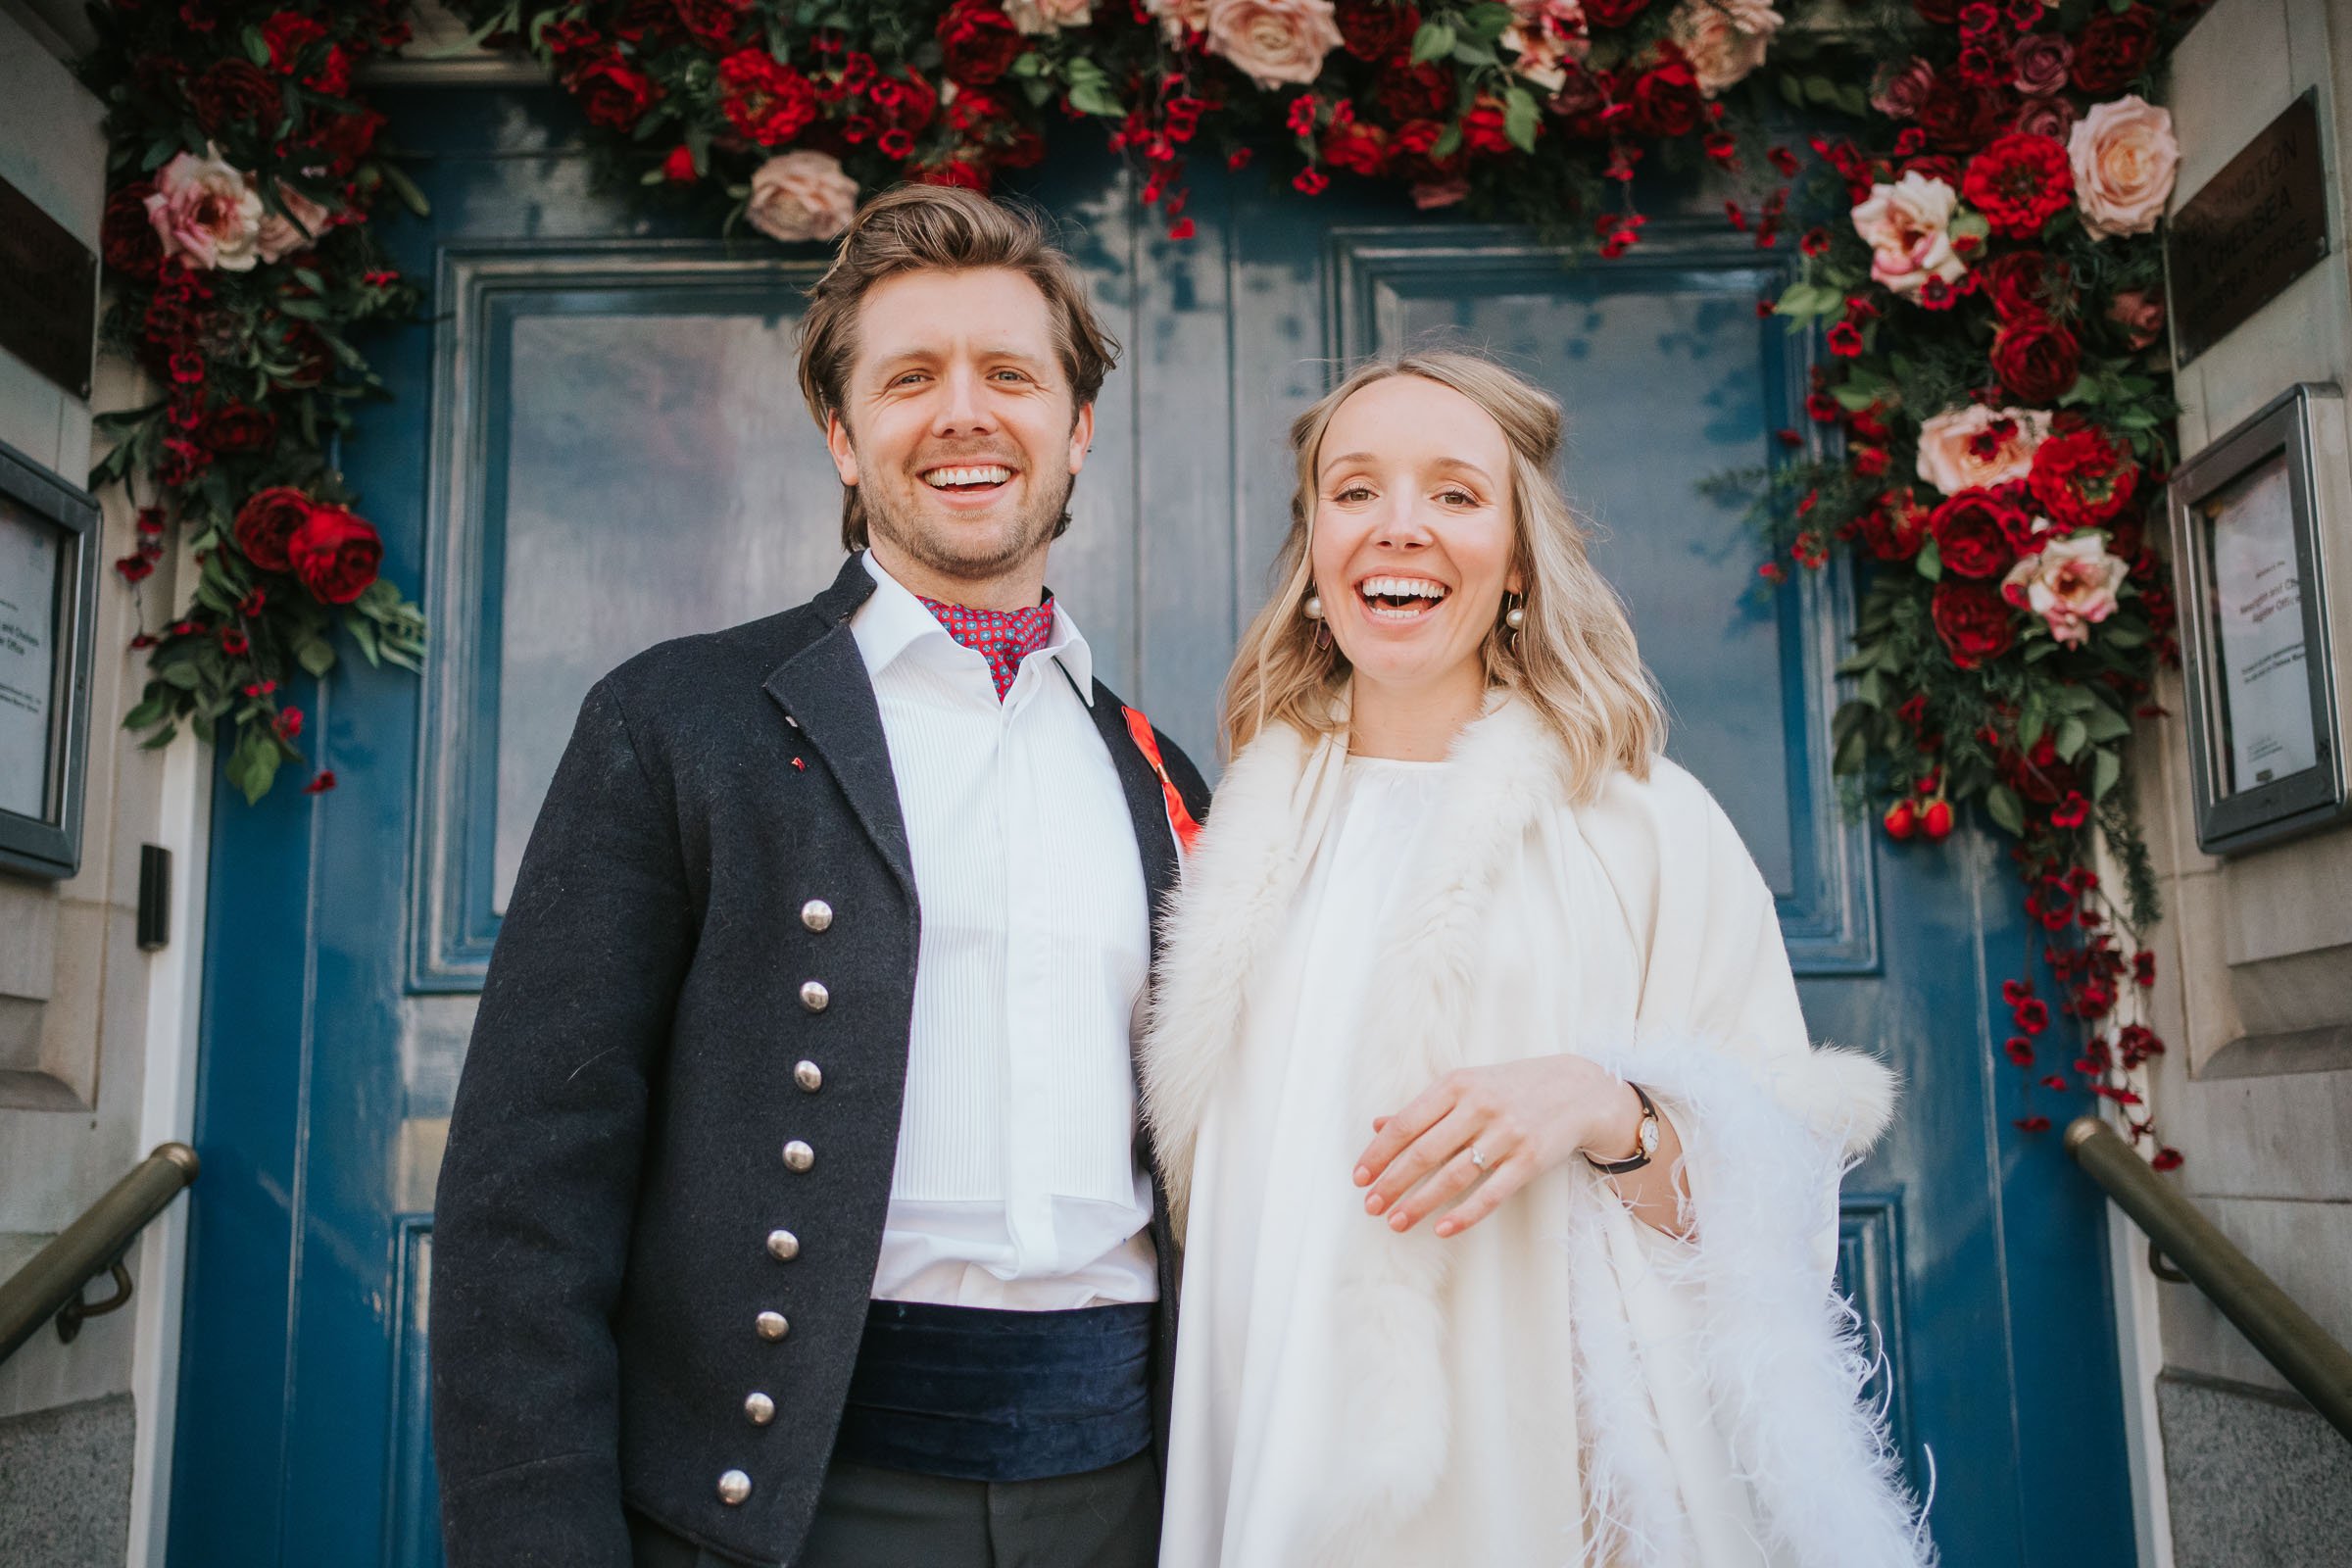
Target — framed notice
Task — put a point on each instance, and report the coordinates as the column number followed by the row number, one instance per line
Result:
column 2266, row 752
column 48, row 599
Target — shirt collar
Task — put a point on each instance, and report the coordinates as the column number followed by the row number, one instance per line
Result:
column 893, row 620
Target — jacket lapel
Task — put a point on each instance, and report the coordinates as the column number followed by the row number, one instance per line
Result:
column 825, row 690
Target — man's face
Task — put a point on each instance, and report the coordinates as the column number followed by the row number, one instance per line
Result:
column 958, row 426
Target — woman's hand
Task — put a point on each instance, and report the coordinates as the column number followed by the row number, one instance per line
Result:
column 1523, row 1117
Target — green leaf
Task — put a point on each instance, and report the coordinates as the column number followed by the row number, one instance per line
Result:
column 2073, row 736
column 316, row 655
column 1434, row 41
column 363, row 632
column 149, row 713
column 1850, row 754
column 1484, row 24
column 2004, row 807
column 2105, row 723
column 1449, row 141
column 1097, row 98
column 257, row 47
column 1519, row 117
column 1930, row 562
column 406, row 189
column 2032, row 722
column 2105, row 770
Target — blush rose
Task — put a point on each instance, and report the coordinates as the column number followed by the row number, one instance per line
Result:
column 1974, row 447
column 205, row 213
column 802, row 195
column 2071, row 584
column 2125, row 159
column 1907, row 228
column 1273, row 42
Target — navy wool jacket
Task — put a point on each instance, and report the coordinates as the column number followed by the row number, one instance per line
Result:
column 622, row 1254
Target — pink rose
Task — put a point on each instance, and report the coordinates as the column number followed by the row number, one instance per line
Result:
column 1435, row 193
column 2125, row 159
column 1049, row 16
column 1724, row 40
column 2139, row 314
column 1546, row 37
column 1907, row 228
column 298, row 227
column 2052, row 117
column 205, row 213
column 802, row 195
column 2038, row 62
column 1974, row 447
column 1179, row 17
column 1273, row 41
column 1898, row 93
column 2071, row 584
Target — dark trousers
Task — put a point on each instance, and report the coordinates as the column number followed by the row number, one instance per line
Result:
column 874, row 1518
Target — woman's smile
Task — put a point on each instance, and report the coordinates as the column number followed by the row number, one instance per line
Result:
column 1401, row 601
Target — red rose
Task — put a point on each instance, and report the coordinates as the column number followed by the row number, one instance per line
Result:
column 238, row 428
column 1972, row 533
column 267, row 520
column 1374, row 30
column 678, row 166
column 346, row 139
column 1666, row 100
column 763, row 98
column 127, row 234
column 1895, row 526
column 336, row 554
column 1613, row 13
column 611, row 92
column 2082, row 479
column 1483, row 127
column 2113, row 49
column 954, row 172
column 2022, row 284
column 1414, row 92
column 288, row 35
column 713, row 22
column 980, row 42
column 1957, row 117
column 1973, row 620
column 2036, row 358
column 1357, row 147
column 905, row 100
column 232, row 92
column 2020, row 183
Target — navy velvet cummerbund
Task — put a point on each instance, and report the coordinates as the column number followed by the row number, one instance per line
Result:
column 984, row 1394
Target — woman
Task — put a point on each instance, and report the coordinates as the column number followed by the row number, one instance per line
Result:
column 1505, row 1172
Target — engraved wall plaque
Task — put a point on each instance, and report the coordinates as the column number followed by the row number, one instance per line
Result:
column 2255, row 228
column 48, row 293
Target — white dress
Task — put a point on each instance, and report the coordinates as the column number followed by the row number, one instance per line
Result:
column 1560, row 1386
column 1257, row 1369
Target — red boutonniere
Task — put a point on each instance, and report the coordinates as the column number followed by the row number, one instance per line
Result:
column 1180, row 817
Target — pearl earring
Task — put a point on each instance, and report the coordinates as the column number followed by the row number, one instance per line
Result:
column 1514, row 616
column 1313, row 609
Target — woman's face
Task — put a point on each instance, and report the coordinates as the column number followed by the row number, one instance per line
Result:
column 1411, row 549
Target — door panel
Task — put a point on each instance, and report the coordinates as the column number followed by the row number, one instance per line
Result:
column 598, row 441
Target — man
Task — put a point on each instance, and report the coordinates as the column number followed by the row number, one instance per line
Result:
column 796, row 1209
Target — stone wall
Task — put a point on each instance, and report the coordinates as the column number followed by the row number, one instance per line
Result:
column 2255, row 958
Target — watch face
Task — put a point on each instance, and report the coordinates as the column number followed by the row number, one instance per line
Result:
column 1649, row 1136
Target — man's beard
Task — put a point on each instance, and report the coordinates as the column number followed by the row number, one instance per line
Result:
column 967, row 552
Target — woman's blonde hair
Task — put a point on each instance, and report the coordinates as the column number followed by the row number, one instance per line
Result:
column 1575, row 661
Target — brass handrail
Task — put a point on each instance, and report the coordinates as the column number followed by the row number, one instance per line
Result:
column 51, row 1282
column 2289, row 1338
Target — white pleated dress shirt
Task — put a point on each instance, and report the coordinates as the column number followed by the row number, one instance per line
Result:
column 1016, row 1184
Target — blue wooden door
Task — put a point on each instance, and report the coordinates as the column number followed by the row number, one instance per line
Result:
column 598, row 443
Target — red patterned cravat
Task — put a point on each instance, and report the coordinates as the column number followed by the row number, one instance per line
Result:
column 1001, row 637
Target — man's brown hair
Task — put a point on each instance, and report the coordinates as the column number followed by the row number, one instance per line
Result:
column 950, row 229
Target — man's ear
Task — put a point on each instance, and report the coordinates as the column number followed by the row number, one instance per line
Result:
column 837, row 443
column 1081, row 436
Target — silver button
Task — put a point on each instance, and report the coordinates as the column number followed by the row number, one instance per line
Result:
column 817, row 914
column 814, row 996
column 760, row 1408
column 733, row 1488
column 783, row 1246
column 798, row 1156
column 771, row 1326
column 808, row 1075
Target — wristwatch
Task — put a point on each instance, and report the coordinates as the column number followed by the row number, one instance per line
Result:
column 1647, row 1143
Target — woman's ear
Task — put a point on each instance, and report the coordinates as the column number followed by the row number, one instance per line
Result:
column 1516, row 582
